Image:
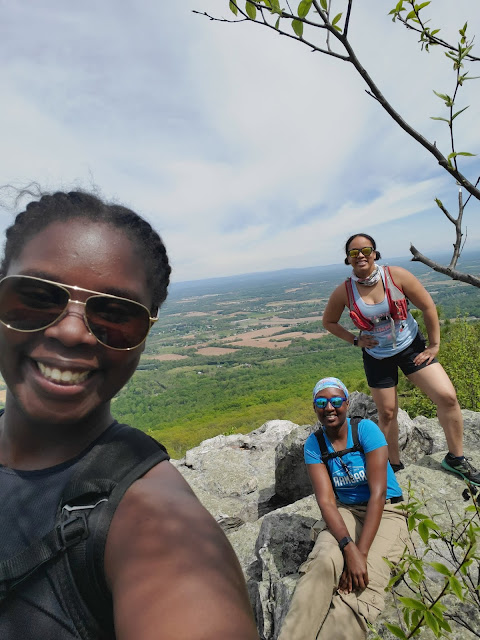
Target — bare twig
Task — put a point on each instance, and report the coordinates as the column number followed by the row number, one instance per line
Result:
column 447, row 271
column 432, row 39
column 347, row 18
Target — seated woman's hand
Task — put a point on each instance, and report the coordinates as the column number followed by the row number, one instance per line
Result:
column 355, row 574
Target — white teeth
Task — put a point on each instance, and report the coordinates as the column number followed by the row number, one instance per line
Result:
column 70, row 377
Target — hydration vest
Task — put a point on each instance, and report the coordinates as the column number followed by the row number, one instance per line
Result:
column 397, row 303
column 74, row 549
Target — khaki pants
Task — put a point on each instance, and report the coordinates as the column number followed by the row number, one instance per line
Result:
column 317, row 610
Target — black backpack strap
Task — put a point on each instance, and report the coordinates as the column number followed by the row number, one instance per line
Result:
column 20, row 567
column 78, row 538
column 327, row 455
column 112, row 468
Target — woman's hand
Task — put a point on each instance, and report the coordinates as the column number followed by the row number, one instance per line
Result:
column 367, row 341
column 427, row 355
column 355, row 574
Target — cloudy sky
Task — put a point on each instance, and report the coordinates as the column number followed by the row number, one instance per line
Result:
column 244, row 149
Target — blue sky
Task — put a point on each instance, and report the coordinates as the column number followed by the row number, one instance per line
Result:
column 245, row 150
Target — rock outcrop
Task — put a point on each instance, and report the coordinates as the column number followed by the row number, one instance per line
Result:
column 257, row 488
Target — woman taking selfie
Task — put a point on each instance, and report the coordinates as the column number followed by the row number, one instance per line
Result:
column 377, row 298
column 101, row 536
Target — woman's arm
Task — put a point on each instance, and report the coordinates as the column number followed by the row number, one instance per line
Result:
column 331, row 316
column 419, row 296
column 377, row 483
column 355, row 575
column 171, row 570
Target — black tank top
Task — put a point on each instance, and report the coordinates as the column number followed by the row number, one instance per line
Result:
column 29, row 502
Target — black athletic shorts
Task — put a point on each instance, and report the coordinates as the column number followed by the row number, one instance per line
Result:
column 383, row 374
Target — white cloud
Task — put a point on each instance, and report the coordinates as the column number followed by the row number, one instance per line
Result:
column 246, row 150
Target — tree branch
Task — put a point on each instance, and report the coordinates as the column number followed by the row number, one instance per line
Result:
column 447, row 271
column 457, row 247
column 433, row 39
column 347, row 18
column 377, row 94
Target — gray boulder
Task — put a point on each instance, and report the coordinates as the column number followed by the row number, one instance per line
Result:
column 234, row 476
column 257, row 488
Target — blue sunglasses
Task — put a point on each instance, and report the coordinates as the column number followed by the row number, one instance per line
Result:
column 336, row 402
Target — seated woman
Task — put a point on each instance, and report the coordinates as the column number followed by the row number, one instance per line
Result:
column 341, row 588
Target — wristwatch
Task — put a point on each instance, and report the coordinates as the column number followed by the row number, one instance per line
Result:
column 343, row 542
column 355, row 341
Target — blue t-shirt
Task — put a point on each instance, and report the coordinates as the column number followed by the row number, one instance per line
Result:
column 354, row 489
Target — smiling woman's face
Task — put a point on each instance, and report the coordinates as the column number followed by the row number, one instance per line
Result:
column 62, row 374
column 362, row 265
column 330, row 417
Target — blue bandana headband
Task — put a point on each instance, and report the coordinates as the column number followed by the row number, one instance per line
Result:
column 326, row 383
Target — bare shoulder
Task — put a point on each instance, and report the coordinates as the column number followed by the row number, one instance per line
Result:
column 339, row 295
column 169, row 565
column 401, row 275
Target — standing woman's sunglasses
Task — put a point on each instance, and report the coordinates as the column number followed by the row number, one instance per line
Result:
column 336, row 402
column 32, row 304
column 353, row 253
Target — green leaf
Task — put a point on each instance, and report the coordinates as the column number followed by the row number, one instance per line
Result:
column 437, row 609
column 233, row 8
column 303, row 8
column 440, row 568
column 397, row 632
column 459, row 112
column 456, row 587
column 297, row 26
column 443, row 96
column 336, row 19
column 423, row 532
column 419, row 7
column 460, row 153
column 251, row 10
column 411, row 15
column 444, row 625
column 432, row 623
column 277, row 23
column 324, row 5
column 415, row 576
column 412, row 603
column 438, row 118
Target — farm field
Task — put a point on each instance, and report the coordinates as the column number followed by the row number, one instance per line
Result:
column 231, row 353
column 228, row 354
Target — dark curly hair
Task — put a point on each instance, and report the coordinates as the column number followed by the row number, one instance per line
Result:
column 369, row 238
column 62, row 206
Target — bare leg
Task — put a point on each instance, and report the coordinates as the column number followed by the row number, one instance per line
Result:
column 435, row 383
column 386, row 401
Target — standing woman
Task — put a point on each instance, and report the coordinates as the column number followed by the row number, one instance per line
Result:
column 81, row 284
column 342, row 583
column 389, row 337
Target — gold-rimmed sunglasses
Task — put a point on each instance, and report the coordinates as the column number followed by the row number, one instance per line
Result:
column 30, row 304
column 354, row 253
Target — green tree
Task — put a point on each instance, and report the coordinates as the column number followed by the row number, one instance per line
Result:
column 427, row 591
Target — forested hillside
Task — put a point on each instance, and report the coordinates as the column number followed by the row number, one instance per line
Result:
column 229, row 354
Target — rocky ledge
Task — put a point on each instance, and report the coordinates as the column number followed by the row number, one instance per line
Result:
column 257, row 488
